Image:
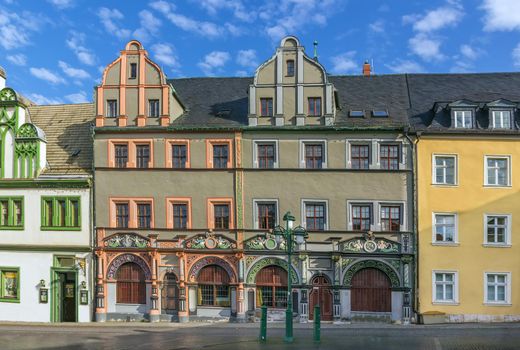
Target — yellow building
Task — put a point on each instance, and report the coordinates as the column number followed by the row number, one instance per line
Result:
column 468, row 200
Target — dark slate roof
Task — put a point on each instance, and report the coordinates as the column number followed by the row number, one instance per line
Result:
column 69, row 138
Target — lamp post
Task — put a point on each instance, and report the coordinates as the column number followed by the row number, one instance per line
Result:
column 298, row 235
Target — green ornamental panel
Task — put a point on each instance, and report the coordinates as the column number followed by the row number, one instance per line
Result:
column 7, row 94
column 251, row 276
column 374, row 264
column 27, row 131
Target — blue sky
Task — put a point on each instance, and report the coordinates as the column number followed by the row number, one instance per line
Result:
column 55, row 50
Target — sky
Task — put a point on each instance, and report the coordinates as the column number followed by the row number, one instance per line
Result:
column 54, row 51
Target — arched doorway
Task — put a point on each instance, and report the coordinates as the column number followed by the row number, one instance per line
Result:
column 170, row 294
column 271, row 287
column 213, row 290
column 131, row 286
column 371, row 291
column 321, row 295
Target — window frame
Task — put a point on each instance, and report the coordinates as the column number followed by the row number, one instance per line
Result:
column 137, row 204
column 214, row 286
column 209, row 152
column 261, row 99
column 507, row 289
column 403, row 214
column 288, row 72
column 15, row 269
column 132, row 152
column 455, row 300
column 150, row 100
column 136, row 145
column 132, row 211
column 170, row 201
column 132, row 75
column 256, row 223
column 350, row 163
column 169, row 152
column 501, row 110
column 55, row 218
column 320, row 111
column 116, row 112
column 455, row 241
column 509, row 171
column 11, row 213
column 455, row 169
column 324, row 202
column 211, row 202
column 350, row 216
column 507, row 234
column 256, row 143
column 303, row 143
column 114, row 158
column 460, row 110
column 400, row 154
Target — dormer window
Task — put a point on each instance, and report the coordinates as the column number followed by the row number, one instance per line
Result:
column 314, row 106
column 380, row 113
column 266, row 107
column 290, row 68
column 356, row 113
column 500, row 119
column 463, row 119
column 133, row 70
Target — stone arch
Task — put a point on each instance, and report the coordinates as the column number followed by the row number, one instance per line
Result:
column 124, row 258
column 290, row 41
column 321, row 274
column 211, row 260
column 133, row 45
column 375, row 264
column 260, row 264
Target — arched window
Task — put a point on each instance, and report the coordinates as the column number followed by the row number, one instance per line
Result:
column 131, row 288
column 213, row 286
column 271, row 287
column 170, row 293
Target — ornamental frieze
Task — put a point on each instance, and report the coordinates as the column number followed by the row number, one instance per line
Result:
column 369, row 245
column 267, row 242
column 209, row 241
column 211, row 260
column 251, row 275
column 126, row 240
column 124, row 258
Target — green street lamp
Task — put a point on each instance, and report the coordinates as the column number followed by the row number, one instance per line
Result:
column 290, row 234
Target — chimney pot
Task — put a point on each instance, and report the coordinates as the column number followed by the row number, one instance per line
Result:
column 367, row 69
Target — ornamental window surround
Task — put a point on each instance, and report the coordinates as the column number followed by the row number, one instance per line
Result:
column 219, row 154
column 179, row 213
column 315, row 214
column 265, row 154
column 61, row 213
column 178, row 153
column 213, row 287
column 313, row 154
column 366, row 215
column 11, row 213
column 9, row 284
column 153, row 108
column 220, row 213
column 130, row 153
column 265, row 213
column 135, row 213
column 111, row 110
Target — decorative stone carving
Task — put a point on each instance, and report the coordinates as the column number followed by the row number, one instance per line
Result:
column 251, row 275
column 369, row 245
column 394, row 278
column 121, row 259
column 127, row 240
column 211, row 260
column 209, row 241
column 267, row 242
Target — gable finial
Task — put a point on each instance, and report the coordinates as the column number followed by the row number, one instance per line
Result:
column 316, row 50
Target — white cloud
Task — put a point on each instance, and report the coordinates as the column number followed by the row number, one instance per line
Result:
column 344, row 63
column 247, row 58
column 377, row 26
column 62, row 4
column 213, row 61
column 42, row 100
column 18, row 59
column 426, row 47
column 469, row 52
column 79, row 97
column 516, row 55
column 73, row 72
column 501, row 15
column 405, row 66
column 149, row 26
column 109, row 19
column 236, row 6
column 15, row 30
column 164, row 54
column 76, row 42
column 241, row 73
column 47, row 75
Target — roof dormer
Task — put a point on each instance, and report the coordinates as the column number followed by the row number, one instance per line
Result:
column 501, row 114
column 463, row 114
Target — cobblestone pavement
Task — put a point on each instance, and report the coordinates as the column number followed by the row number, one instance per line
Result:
column 237, row 336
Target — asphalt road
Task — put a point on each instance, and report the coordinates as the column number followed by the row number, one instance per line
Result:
column 233, row 336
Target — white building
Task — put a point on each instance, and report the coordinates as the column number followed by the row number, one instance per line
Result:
column 45, row 210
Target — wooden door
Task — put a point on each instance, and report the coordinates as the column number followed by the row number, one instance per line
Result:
column 131, row 286
column 321, row 295
column 170, row 294
column 371, row 291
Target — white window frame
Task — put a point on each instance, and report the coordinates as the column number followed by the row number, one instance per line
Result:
column 509, row 170
column 500, row 113
column 255, row 210
column 310, row 141
column 455, row 300
column 364, row 142
column 507, row 301
column 507, row 242
column 318, row 201
column 404, row 214
column 463, row 111
column 455, row 233
column 455, row 170
column 372, row 204
column 276, row 151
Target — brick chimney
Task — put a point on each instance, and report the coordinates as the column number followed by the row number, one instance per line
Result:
column 3, row 78
column 367, row 69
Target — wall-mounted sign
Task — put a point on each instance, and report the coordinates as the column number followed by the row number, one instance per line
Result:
column 69, row 290
column 83, row 297
column 44, row 295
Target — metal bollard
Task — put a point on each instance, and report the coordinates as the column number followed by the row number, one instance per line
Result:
column 317, row 324
column 263, row 324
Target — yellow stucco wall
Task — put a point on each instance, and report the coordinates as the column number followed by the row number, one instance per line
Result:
column 471, row 200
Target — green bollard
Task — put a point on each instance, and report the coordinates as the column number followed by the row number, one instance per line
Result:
column 263, row 324
column 317, row 324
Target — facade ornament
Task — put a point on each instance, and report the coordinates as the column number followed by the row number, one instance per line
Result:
column 251, row 275
column 127, row 240
column 375, row 264
column 209, row 241
column 264, row 242
column 369, row 244
column 124, row 258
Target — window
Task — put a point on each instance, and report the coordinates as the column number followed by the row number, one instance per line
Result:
column 360, row 156
column 180, row 215
column 389, row 157
column 112, row 111
column 314, row 156
column 271, row 287
column 131, row 286
column 356, row 113
column 144, row 215
column 220, row 156
column 314, row 106
column 463, row 119
column 501, row 119
column 497, row 229
column 179, row 156
column 266, row 215
column 133, row 70
column 121, row 155
column 445, row 229
column 153, row 108
column 290, row 68
column 497, row 171
column 497, row 288
column 444, row 170
column 221, row 216
column 9, row 284
column 213, row 283
column 61, row 213
column 142, row 156
column 380, row 113
column 315, row 216
column 220, row 213
column 445, row 289
column 266, row 107
column 361, row 217
column 11, row 213
column 390, row 218
column 122, row 215
column 266, row 155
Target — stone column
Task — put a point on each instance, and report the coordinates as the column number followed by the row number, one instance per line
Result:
column 183, row 295
column 336, row 307
column 101, row 311
column 241, row 309
column 154, row 311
